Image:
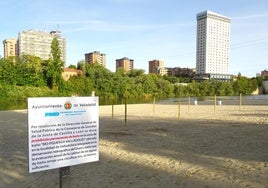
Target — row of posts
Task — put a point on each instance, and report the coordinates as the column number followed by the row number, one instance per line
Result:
column 179, row 106
column 195, row 102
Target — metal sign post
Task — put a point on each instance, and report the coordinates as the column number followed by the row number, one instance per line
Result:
column 65, row 177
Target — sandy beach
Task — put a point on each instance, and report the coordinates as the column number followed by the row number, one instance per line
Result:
column 159, row 146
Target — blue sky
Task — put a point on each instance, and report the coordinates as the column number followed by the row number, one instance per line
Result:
column 142, row 30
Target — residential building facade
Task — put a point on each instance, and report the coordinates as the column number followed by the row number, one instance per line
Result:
column 213, row 45
column 94, row 57
column 162, row 71
column 38, row 43
column 125, row 63
column 264, row 73
column 157, row 67
column 10, row 48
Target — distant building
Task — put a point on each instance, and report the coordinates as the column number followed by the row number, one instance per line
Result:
column 162, row 71
column 10, row 48
column 38, row 43
column 264, row 73
column 94, row 57
column 154, row 66
column 67, row 73
column 213, row 45
column 125, row 63
column 157, row 67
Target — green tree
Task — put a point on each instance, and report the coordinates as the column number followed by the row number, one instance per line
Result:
column 81, row 65
column 172, row 79
column 135, row 72
column 7, row 72
column 101, row 78
column 244, row 86
column 181, row 90
column 29, row 71
column 205, row 88
column 54, row 66
column 79, row 85
column 72, row 66
column 259, row 80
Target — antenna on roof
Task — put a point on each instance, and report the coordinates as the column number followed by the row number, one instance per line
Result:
column 56, row 32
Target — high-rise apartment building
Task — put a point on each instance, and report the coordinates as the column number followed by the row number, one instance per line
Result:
column 10, row 48
column 94, row 57
column 154, row 65
column 125, row 63
column 157, row 67
column 213, row 45
column 38, row 43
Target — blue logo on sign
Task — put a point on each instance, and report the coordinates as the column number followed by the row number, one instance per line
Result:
column 52, row 114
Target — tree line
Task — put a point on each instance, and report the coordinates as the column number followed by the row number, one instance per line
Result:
column 43, row 77
column 32, row 71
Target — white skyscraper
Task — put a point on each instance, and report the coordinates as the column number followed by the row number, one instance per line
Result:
column 213, row 45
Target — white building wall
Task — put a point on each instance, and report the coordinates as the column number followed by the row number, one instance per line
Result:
column 213, row 43
column 38, row 43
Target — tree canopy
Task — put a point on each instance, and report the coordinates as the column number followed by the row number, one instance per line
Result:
column 54, row 66
column 31, row 71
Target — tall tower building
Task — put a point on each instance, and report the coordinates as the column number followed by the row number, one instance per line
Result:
column 213, row 45
column 94, row 57
column 125, row 63
column 38, row 43
column 10, row 48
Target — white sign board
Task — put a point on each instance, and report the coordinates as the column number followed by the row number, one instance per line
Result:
column 62, row 131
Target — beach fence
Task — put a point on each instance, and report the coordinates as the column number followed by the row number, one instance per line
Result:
column 177, row 107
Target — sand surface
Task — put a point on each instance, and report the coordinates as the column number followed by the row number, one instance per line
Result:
column 159, row 146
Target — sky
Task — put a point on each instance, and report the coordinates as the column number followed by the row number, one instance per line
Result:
column 142, row 30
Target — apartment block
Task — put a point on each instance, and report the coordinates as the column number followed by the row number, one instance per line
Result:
column 264, row 73
column 157, row 67
column 38, row 43
column 213, row 45
column 125, row 63
column 10, row 48
column 94, row 57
